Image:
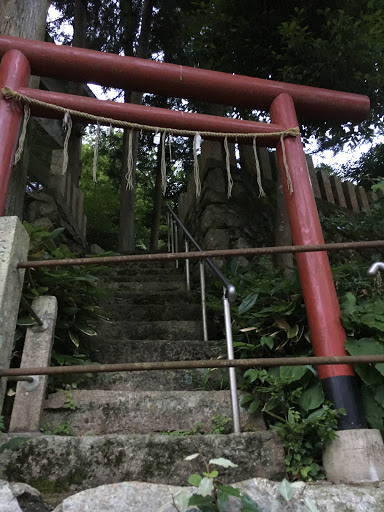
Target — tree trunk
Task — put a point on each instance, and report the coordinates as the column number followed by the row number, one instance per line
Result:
column 22, row 19
column 157, row 202
column 126, row 241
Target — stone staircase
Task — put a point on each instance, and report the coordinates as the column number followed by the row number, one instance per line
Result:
column 141, row 425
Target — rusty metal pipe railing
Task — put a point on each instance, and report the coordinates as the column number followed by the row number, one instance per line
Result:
column 185, row 365
column 256, row 251
column 229, row 295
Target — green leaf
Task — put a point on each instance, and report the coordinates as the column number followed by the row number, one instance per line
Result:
column 267, row 340
column 205, row 504
column 285, row 489
column 293, row 332
column 228, row 489
column 195, row 480
column 182, row 501
column 26, row 321
column 225, row 463
column 246, row 399
column 364, row 346
column 379, row 395
column 247, row 303
column 212, row 474
column 86, row 330
column 254, row 406
column 380, row 368
column 312, row 397
column 74, row 338
column 248, row 504
column 292, row 373
column 310, row 504
column 205, row 487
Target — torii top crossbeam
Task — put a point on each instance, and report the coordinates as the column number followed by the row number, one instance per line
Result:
column 21, row 57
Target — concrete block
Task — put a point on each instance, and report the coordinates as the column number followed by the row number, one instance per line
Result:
column 350, row 196
column 362, row 199
column 355, row 456
column 37, row 352
column 14, row 242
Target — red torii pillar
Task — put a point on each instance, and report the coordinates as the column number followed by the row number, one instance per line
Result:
column 63, row 62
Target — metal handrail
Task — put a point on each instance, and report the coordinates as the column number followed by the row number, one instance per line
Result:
column 230, row 289
column 229, row 295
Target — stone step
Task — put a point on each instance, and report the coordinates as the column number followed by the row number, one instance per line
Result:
column 153, row 312
column 150, row 276
column 114, row 351
column 155, row 380
column 147, row 288
column 153, row 297
column 64, row 465
column 161, row 330
column 100, row 412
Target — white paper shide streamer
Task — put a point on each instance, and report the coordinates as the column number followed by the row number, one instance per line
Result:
column 96, row 154
column 20, row 147
column 258, row 170
column 196, row 170
column 67, row 126
column 163, row 167
column 228, row 167
column 129, row 175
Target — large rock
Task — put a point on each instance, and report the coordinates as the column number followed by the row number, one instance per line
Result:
column 144, row 497
column 17, row 497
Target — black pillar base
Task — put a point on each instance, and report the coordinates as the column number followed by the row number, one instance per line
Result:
column 344, row 393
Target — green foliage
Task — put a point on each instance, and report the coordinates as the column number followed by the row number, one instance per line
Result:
column 1, row 424
column 270, row 321
column 211, row 495
column 63, row 429
column 364, row 320
column 76, row 291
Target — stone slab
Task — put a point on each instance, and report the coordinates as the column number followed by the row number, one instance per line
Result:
column 37, row 349
column 156, row 380
column 14, row 242
column 54, row 464
column 99, row 412
column 134, row 496
column 151, row 330
column 113, row 351
column 152, row 312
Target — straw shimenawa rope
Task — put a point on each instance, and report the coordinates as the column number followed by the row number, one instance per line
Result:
column 11, row 95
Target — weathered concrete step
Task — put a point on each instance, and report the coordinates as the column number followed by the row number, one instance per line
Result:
column 100, row 412
column 154, row 330
column 114, row 351
column 148, row 313
column 152, row 297
column 145, row 287
column 149, row 276
column 61, row 465
column 156, row 380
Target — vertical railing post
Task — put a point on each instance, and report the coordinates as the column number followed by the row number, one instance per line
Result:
column 172, row 237
column 187, row 273
column 169, row 232
column 232, row 372
column 176, row 242
column 14, row 73
column 323, row 311
column 203, row 302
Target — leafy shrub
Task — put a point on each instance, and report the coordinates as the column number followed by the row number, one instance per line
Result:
column 76, row 291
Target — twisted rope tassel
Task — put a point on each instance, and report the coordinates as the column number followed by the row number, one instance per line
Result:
column 258, row 170
column 129, row 175
column 96, row 154
column 196, row 170
column 20, row 147
column 287, row 173
column 228, row 166
column 67, row 125
column 163, row 165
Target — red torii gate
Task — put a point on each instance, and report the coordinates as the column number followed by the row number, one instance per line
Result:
column 21, row 57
